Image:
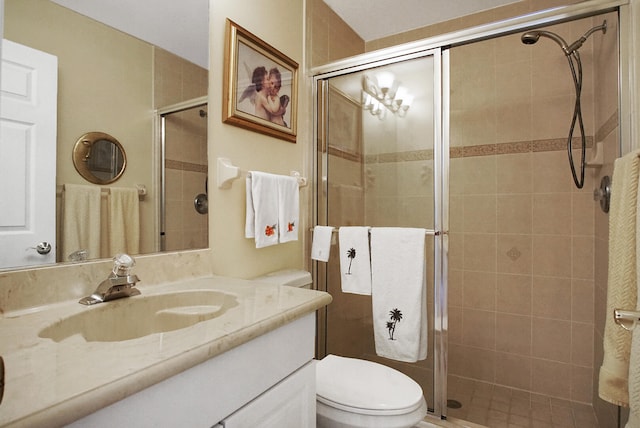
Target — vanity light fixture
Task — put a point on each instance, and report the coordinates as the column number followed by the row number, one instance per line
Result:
column 383, row 93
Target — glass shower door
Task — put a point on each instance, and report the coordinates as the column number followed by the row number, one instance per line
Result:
column 380, row 163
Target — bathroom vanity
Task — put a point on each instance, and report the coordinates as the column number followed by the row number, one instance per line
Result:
column 245, row 356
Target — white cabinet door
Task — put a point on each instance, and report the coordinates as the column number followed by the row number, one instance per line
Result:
column 289, row 404
column 27, row 155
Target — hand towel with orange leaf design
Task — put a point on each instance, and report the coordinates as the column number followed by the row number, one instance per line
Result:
column 288, row 208
column 262, row 208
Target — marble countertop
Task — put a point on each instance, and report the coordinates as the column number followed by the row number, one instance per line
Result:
column 49, row 383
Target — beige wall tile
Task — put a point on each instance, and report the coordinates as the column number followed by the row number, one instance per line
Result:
column 514, row 294
column 515, row 173
column 550, row 378
column 551, row 339
column 513, row 371
column 552, row 255
column 582, row 344
column 582, row 301
column 479, row 329
column 514, row 254
column 479, row 290
column 552, row 214
column 480, row 214
column 513, row 334
column 514, row 213
column 551, row 297
column 480, row 252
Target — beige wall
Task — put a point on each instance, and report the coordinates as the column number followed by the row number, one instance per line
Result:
column 330, row 38
column 107, row 90
column 280, row 23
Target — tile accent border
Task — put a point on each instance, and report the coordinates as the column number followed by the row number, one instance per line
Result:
column 185, row 166
column 548, row 145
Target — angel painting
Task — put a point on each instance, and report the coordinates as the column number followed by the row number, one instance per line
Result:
column 263, row 94
column 262, row 85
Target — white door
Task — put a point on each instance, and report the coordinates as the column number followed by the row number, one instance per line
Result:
column 28, row 117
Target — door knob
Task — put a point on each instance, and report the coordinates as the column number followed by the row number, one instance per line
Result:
column 42, row 248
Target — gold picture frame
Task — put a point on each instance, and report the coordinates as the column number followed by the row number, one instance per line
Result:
column 264, row 103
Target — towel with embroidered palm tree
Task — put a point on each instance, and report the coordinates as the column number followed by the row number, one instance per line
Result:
column 355, row 263
column 399, row 293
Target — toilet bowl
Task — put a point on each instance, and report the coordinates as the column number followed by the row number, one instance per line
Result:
column 354, row 393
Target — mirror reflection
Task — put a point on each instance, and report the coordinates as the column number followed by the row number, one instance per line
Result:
column 113, row 82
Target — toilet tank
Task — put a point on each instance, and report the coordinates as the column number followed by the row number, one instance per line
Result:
column 290, row 277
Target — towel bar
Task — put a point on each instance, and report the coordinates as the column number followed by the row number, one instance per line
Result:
column 142, row 190
column 622, row 315
column 427, row 232
column 227, row 172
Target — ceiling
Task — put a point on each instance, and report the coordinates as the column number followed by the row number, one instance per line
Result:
column 182, row 27
column 374, row 19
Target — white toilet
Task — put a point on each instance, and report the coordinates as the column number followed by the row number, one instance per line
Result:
column 354, row 393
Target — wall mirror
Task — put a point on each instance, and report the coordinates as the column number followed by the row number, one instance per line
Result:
column 99, row 158
column 119, row 62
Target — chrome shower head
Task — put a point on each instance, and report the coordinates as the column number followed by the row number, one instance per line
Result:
column 532, row 37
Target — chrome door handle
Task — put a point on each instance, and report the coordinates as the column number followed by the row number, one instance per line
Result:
column 42, row 248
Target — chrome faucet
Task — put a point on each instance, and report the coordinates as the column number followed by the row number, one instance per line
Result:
column 120, row 283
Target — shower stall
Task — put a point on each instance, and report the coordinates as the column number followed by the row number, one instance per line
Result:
column 479, row 159
column 183, row 175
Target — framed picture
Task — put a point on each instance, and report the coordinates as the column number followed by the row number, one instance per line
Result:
column 260, row 85
column 345, row 132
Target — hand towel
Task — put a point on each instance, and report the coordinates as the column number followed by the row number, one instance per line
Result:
column 622, row 279
column 124, row 220
column 399, row 294
column 264, row 200
column 321, row 245
column 355, row 262
column 288, row 208
column 81, row 220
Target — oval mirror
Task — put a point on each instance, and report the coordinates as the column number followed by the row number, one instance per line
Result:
column 99, row 158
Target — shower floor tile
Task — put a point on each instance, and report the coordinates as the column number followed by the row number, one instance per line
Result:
column 495, row 406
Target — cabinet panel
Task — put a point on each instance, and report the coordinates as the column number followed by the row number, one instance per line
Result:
column 289, row 404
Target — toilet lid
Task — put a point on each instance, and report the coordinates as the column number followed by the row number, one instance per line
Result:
column 365, row 387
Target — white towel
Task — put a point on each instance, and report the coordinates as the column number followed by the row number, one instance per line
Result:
column 124, row 220
column 355, row 262
column 81, row 220
column 321, row 245
column 399, row 294
column 262, row 210
column 288, row 208
column 622, row 280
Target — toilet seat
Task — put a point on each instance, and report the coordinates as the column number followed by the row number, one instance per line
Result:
column 364, row 387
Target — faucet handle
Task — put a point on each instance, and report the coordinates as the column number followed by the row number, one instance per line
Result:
column 122, row 264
